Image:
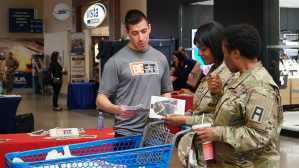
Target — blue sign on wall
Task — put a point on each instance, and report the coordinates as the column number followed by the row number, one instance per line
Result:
column 37, row 26
column 20, row 20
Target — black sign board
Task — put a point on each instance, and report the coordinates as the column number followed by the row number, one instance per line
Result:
column 37, row 26
column 20, row 20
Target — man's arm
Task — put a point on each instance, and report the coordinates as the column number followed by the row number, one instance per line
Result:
column 168, row 94
column 104, row 103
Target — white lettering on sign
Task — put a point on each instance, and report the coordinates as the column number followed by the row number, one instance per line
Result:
column 20, row 81
column 95, row 15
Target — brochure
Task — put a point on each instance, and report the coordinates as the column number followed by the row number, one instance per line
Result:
column 163, row 107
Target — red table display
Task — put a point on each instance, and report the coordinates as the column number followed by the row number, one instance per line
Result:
column 25, row 142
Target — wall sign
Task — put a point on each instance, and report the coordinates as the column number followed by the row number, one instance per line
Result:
column 95, row 15
column 37, row 26
column 61, row 11
column 20, row 20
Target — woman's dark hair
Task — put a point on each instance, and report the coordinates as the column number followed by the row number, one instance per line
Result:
column 54, row 56
column 210, row 35
column 95, row 64
column 244, row 38
column 180, row 55
column 134, row 16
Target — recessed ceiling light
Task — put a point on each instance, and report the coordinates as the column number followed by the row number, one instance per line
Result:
column 285, row 4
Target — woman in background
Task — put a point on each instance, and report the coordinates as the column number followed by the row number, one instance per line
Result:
column 56, row 71
column 185, row 70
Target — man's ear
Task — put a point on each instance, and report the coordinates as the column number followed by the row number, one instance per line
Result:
column 149, row 28
column 127, row 33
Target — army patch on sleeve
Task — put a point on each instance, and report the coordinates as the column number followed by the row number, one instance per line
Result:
column 257, row 114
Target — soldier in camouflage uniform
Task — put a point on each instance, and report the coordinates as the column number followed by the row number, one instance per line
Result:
column 249, row 116
column 211, row 53
column 2, row 69
column 12, row 65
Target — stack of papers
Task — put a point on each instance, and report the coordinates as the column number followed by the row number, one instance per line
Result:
column 4, row 140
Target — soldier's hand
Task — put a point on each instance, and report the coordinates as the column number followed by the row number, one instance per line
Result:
column 175, row 121
column 215, row 83
column 204, row 134
column 126, row 113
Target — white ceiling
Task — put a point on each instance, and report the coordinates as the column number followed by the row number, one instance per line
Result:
column 289, row 3
column 282, row 3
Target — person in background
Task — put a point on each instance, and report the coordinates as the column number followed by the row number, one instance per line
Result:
column 96, row 74
column 208, row 40
column 132, row 76
column 2, row 69
column 185, row 70
column 56, row 70
column 174, row 64
column 249, row 116
column 285, row 57
column 11, row 65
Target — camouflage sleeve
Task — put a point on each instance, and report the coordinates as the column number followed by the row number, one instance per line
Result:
column 197, row 119
column 16, row 65
column 215, row 99
column 260, row 114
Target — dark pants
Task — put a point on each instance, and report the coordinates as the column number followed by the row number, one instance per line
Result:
column 10, row 78
column 118, row 135
column 56, row 88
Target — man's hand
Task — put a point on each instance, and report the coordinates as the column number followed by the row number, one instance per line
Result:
column 215, row 83
column 63, row 69
column 125, row 113
column 205, row 134
column 175, row 121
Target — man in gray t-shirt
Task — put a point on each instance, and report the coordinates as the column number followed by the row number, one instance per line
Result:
column 133, row 75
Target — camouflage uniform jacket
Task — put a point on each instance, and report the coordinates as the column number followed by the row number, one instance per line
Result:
column 2, row 68
column 202, row 101
column 11, row 63
column 248, row 119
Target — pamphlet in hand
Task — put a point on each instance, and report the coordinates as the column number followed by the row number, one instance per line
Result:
column 163, row 107
column 138, row 108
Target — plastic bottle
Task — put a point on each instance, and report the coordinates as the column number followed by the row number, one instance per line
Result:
column 100, row 122
column 86, row 79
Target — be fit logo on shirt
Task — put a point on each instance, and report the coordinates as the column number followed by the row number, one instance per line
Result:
column 144, row 68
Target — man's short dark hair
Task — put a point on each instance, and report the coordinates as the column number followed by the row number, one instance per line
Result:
column 244, row 38
column 134, row 16
column 210, row 35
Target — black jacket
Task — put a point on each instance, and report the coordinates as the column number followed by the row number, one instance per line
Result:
column 56, row 69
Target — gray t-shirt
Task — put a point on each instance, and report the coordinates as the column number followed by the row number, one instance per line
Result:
column 133, row 77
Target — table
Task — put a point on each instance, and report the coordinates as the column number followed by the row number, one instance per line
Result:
column 81, row 96
column 23, row 80
column 24, row 142
column 189, row 101
column 8, row 110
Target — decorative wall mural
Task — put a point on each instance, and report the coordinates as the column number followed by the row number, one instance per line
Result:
column 22, row 50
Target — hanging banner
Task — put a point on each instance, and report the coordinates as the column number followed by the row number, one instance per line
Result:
column 77, row 66
column 77, row 43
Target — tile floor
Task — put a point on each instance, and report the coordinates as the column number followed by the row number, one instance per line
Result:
column 46, row 118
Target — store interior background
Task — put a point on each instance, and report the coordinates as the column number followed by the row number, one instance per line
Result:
column 169, row 18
